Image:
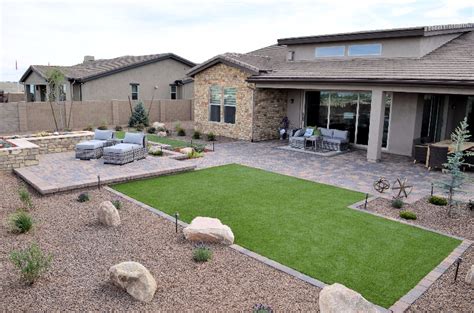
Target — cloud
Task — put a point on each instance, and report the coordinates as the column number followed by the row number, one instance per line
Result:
column 62, row 32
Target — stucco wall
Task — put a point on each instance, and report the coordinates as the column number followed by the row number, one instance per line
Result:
column 224, row 76
column 117, row 86
column 295, row 108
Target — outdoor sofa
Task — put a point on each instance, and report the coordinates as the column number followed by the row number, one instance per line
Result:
column 93, row 149
column 133, row 147
column 298, row 137
column 330, row 139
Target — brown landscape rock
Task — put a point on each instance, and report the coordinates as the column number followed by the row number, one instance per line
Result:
column 135, row 279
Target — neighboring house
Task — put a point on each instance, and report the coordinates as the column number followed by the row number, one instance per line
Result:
column 119, row 78
column 385, row 87
column 11, row 92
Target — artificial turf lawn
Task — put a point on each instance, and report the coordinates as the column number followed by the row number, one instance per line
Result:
column 174, row 143
column 304, row 225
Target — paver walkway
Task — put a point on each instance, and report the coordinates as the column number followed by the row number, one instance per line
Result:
column 349, row 170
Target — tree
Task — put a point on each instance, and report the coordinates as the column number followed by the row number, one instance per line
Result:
column 54, row 79
column 456, row 161
column 139, row 116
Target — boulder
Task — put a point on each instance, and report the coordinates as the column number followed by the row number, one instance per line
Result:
column 162, row 134
column 154, row 148
column 135, row 279
column 108, row 214
column 337, row 298
column 158, row 125
column 186, row 150
column 207, row 229
column 470, row 276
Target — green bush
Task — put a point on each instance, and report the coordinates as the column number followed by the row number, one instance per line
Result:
column 195, row 155
column 199, row 148
column 83, row 197
column 211, row 137
column 197, row 134
column 181, row 132
column 408, row 215
column 151, row 130
column 140, row 127
column 31, row 262
column 103, row 126
column 117, row 204
column 397, row 203
column 262, row 308
column 20, row 222
column 139, row 116
column 118, row 128
column 25, row 198
column 156, row 153
column 202, row 253
column 438, row 200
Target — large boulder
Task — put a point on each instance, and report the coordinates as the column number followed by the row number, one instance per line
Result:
column 337, row 298
column 162, row 134
column 186, row 150
column 207, row 229
column 135, row 279
column 470, row 276
column 158, row 125
column 108, row 214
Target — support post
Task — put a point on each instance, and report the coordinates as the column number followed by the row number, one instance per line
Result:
column 377, row 112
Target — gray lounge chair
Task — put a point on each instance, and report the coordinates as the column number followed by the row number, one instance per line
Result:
column 298, row 137
column 334, row 139
column 93, row 149
column 132, row 148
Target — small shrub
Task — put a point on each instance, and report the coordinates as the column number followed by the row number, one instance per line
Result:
column 199, row 148
column 408, row 215
column 437, row 200
column 25, row 198
column 181, row 132
column 117, row 204
column 31, row 262
column 118, row 128
column 195, row 155
column 151, row 130
column 397, row 203
column 88, row 128
column 177, row 126
column 140, row 127
column 197, row 134
column 20, row 222
column 202, row 253
column 103, row 126
column 262, row 308
column 83, row 197
column 156, row 153
column 211, row 137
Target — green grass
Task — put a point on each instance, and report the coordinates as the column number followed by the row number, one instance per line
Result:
column 304, row 225
column 174, row 143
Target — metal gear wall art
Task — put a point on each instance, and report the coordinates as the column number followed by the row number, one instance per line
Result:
column 381, row 185
column 402, row 187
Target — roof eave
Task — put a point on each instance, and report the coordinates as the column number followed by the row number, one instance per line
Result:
column 27, row 73
column 216, row 61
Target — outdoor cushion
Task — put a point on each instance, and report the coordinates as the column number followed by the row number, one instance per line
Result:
column 103, row 134
column 309, row 132
column 341, row 134
column 299, row 133
column 135, row 138
column 121, row 148
column 90, row 145
column 326, row 132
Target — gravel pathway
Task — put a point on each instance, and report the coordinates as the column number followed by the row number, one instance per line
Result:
column 83, row 251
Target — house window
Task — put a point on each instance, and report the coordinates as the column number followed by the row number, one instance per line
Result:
column 173, row 92
column 215, row 104
column 361, row 50
column 229, row 105
column 134, row 91
column 62, row 92
column 335, row 51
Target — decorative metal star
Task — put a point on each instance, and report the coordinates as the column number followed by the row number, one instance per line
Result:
column 381, row 184
column 404, row 189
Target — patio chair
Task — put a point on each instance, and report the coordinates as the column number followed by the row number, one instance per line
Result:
column 438, row 156
column 298, row 138
column 132, row 148
column 93, row 149
column 334, row 139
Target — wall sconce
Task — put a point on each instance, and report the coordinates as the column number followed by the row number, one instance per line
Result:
column 292, row 101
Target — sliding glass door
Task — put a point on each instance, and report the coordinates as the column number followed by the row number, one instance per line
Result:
column 343, row 112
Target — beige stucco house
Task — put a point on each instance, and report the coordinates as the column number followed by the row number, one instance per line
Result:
column 162, row 76
column 385, row 87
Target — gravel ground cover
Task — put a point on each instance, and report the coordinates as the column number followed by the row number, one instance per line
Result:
column 445, row 295
column 83, row 252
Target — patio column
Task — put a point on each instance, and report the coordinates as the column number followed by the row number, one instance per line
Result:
column 377, row 111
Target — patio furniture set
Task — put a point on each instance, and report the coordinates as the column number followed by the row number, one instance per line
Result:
column 434, row 155
column 114, row 151
column 318, row 139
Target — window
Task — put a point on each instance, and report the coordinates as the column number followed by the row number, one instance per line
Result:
column 215, row 104
column 173, row 91
column 230, row 102
column 134, row 91
column 335, row 51
column 62, row 92
column 369, row 49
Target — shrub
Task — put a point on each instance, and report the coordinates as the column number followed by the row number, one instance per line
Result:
column 31, row 262
column 397, row 203
column 118, row 128
column 20, row 222
column 151, row 130
column 202, row 253
column 437, row 200
column 25, row 198
column 88, row 128
column 83, row 197
column 103, row 126
column 194, row 154
column 181, row 132
column 408, row 215
column 197, row 134
column 211, row 137
column 262, row 308
column 117, row 204
column 156, row 153
column 139, row 116
column 199, row 148
column 177, row 126
column 140, row 127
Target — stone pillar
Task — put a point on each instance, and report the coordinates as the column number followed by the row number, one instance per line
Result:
column 22, row 117
column 377, row 112
column 115, row 113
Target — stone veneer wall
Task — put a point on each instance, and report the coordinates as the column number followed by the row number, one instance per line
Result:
column 224, row 76
column 61, row 143
column 270, row 108
column 24, row 154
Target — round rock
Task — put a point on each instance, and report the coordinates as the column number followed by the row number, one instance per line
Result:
column 108, row 214
column 135, row 279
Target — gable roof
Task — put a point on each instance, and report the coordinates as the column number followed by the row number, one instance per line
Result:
column 103, row 67
column 422, row 31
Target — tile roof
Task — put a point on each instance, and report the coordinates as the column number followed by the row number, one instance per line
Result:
column 98, row 68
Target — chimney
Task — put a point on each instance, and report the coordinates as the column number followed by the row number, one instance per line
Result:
column 88, row 58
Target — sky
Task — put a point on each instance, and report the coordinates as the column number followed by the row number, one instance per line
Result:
column 63, row 32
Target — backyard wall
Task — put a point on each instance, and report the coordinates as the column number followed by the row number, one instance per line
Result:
column 37, row 116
